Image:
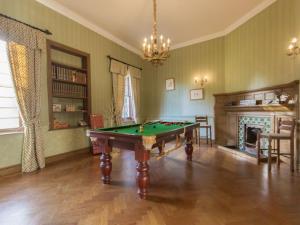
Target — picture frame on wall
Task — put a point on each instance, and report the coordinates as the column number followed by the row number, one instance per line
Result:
column 197, row 94
column 170, row 84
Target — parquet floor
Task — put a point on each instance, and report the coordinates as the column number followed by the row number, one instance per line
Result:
column 217, row 188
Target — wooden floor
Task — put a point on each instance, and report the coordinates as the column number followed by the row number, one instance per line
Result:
column 215, row 189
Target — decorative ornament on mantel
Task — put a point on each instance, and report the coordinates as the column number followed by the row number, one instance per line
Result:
column 156, row 50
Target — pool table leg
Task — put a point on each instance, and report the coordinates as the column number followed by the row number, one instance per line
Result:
column 105, row 164
column 142, row 168
column 189, row 145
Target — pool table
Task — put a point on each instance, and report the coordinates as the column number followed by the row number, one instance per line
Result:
column 141, row 139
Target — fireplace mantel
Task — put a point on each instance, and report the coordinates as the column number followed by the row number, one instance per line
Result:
column 261, row 108
column 228, row 114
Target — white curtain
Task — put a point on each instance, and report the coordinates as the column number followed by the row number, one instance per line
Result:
column 119, row 71
column 135, row 77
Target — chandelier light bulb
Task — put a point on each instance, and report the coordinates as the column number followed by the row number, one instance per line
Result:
column 145, row 40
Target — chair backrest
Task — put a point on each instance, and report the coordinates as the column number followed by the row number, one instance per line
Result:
column 286, row 125
column 96, row 121
column 201, row 119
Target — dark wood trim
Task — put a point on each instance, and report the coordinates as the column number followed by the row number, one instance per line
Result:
column 85, row 68
column 295, row 82
column 111, row 58
column 67, row 49
column 17, row 169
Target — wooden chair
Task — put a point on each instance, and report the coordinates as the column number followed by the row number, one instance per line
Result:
column 96, row 121
column 203, row 120
column 285, row 131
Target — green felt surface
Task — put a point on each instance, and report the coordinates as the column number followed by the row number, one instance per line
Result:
column 149, row 129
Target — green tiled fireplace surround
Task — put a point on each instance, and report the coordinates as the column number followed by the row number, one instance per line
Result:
column 264, row 122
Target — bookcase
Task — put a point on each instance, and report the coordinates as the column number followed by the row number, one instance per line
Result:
column 68, row 87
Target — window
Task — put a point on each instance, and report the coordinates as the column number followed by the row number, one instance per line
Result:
column 9, row 111
column 128, row 108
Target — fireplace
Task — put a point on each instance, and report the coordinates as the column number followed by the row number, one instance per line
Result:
column 250, row 138
column 248, row 127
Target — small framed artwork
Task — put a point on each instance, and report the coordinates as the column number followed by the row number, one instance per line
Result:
column 170, row 84
column 196, row 94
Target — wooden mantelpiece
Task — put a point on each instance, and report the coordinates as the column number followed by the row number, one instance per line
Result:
column 228, row 113
column 260, row 108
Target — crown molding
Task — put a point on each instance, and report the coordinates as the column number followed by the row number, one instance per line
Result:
column 79, row 19
column 198, row 40
column 86, row 23
column 258, row 9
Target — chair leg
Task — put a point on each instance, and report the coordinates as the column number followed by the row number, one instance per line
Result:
column 278, row 152
column 258, row 149
column 210, row 137
column 270, row 155
column 199, row 135
column 292, row 154
column 206, row 135
column 196, row 135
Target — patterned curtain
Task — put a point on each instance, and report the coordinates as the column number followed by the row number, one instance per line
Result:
column 25, row 47
column 119, row 71
column 135, row 75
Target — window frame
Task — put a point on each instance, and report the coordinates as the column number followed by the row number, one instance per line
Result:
column 14, row 130
column 130, row 118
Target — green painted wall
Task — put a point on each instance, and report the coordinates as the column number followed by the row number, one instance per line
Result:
column 252, row 56
column 199, row 60
column 255, row 53
column 74, row 35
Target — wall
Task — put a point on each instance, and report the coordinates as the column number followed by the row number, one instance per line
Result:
column 252, row 56
column 199, row 60
column 255, row 53
column 74, row 35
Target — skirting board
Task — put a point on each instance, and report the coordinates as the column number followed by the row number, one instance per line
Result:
column 49, row 160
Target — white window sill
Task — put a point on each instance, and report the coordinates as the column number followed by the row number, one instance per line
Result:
column 11, row 131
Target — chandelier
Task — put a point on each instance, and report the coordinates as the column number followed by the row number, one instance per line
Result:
column 156, row 50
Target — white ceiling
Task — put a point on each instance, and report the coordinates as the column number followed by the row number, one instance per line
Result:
column 186, row 22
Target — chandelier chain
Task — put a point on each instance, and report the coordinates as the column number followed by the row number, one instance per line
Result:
column 154, row 18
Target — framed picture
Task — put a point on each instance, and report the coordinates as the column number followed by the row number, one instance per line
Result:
column 170, row 84
column 196, row 94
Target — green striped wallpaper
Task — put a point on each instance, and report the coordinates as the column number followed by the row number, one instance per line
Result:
column 199, row 60
column 74, row 35
column 255, row 53
column 252, row 56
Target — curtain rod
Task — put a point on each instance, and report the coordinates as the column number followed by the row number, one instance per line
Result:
column 123, row 62
column 36, row 28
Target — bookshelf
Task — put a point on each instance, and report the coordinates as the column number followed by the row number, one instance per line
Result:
column 68, row 87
